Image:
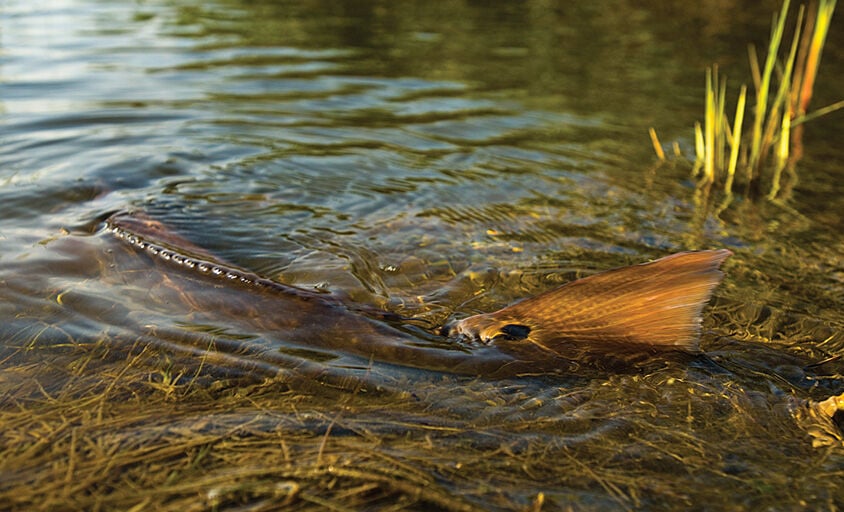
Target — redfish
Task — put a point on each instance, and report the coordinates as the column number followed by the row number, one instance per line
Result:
column 650, row 305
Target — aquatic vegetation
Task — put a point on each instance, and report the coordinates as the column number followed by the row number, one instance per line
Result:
column 138, row 428
column 757, row 154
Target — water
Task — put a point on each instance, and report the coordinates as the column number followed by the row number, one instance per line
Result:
column 430, row 160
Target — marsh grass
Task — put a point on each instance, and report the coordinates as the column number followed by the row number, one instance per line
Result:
column 729, row 153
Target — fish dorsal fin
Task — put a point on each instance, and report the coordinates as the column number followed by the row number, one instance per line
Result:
column 143, row 226
column 657, row 303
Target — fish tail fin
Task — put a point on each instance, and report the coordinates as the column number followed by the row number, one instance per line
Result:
column 657, row 303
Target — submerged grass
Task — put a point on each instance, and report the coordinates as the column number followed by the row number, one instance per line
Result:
column 146, row 430
column 132, row 435
column 783, row 91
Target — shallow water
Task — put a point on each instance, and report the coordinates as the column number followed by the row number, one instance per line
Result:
column 431, row 160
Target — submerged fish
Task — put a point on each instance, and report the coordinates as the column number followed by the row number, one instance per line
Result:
column 648, row 306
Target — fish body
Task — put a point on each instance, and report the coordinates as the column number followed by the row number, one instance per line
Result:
column 319, row 324
column 656, row 304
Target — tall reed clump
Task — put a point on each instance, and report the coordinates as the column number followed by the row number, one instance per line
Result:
column 726, row 152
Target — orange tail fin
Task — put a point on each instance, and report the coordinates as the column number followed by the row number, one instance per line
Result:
column 657, row 303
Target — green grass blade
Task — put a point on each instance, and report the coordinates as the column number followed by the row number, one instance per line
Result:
column 700, row 144
column 781, row 102
column 736, row 139
column 709, row 131
column 764, row 87
column 838, row 105
column 781, row 155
